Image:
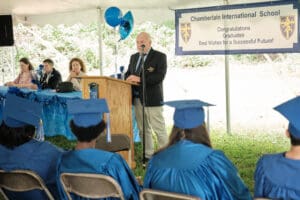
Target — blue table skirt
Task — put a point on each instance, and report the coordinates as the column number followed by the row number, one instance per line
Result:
column 55, row 116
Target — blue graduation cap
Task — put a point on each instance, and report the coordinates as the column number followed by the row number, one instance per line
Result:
column 18, row 112
column 291, row 110
column 89, row 112
column 188, row 113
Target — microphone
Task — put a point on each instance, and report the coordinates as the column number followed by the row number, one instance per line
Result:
column 143, row 47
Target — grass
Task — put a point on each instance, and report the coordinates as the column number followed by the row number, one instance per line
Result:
column 62, row 142
column 243, row 149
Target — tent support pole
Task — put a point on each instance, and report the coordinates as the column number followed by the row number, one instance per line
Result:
column 227, row 85
column 99, row 23
column 227, row 82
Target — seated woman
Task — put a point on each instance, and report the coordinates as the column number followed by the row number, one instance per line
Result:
column 76, row 68
column 189, row 165
column 277, row 176
column 26, row 77
column 18, row 149
column 87, row 124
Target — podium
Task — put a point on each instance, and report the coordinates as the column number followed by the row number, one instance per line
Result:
column 118, row 96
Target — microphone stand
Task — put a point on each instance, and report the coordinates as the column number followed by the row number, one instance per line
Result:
column 143, row 104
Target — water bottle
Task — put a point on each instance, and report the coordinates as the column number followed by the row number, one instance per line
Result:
column 40, row 70
column 122, row 72
column 93, row 91
column 38, row 75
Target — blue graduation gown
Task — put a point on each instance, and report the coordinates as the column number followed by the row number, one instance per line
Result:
column 99, row 162
column 277, row 177
column 196, row 170
column 40, row 157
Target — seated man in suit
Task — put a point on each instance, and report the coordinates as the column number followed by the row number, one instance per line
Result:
column 18, row 149
column 51, row 77
column 277, row 176
column 87, row 124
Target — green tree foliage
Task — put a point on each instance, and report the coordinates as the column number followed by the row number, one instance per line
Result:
column 61, row 43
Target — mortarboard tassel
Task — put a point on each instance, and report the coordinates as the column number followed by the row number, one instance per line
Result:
column 108, row 134
column 40, row 135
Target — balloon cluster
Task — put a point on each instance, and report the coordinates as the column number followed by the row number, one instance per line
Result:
column 113, row 17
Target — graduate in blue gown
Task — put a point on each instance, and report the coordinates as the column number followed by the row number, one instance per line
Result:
column 18, row 149
column 189, row 165
column 277, row 176
column 87, row 124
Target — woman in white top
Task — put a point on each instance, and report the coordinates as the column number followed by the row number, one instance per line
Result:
column 76, row 68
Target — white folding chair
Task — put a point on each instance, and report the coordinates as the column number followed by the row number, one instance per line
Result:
column 22, row 181
column 149, row 194
column 90, row 185
column 2, row 195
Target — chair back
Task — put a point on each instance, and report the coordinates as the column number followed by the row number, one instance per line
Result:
column 22, row 181
column 149, row 194
column 119, row 142
column 90, row 185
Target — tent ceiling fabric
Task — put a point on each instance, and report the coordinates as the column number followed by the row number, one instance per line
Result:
column 40, row 7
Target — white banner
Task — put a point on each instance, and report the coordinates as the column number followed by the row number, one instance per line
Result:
column 248, row 28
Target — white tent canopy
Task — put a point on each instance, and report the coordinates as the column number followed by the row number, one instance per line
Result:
column 70, row 11
column 36, row 7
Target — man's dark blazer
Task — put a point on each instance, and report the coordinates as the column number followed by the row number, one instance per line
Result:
column 155, row 68
column 54, row 80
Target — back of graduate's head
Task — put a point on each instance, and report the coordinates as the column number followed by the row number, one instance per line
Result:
column 294, row 135
column 20, row 117
column 11, row 137
column 294, row 141
column 197, row 134
column 87, row 134
column 87, row 123
column 189, row 122
column 291, row 110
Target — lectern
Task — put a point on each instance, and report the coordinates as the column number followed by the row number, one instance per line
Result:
column 118, row 96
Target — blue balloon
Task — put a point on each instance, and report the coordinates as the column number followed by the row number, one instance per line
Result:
column 126, row 25
column 113, row 16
